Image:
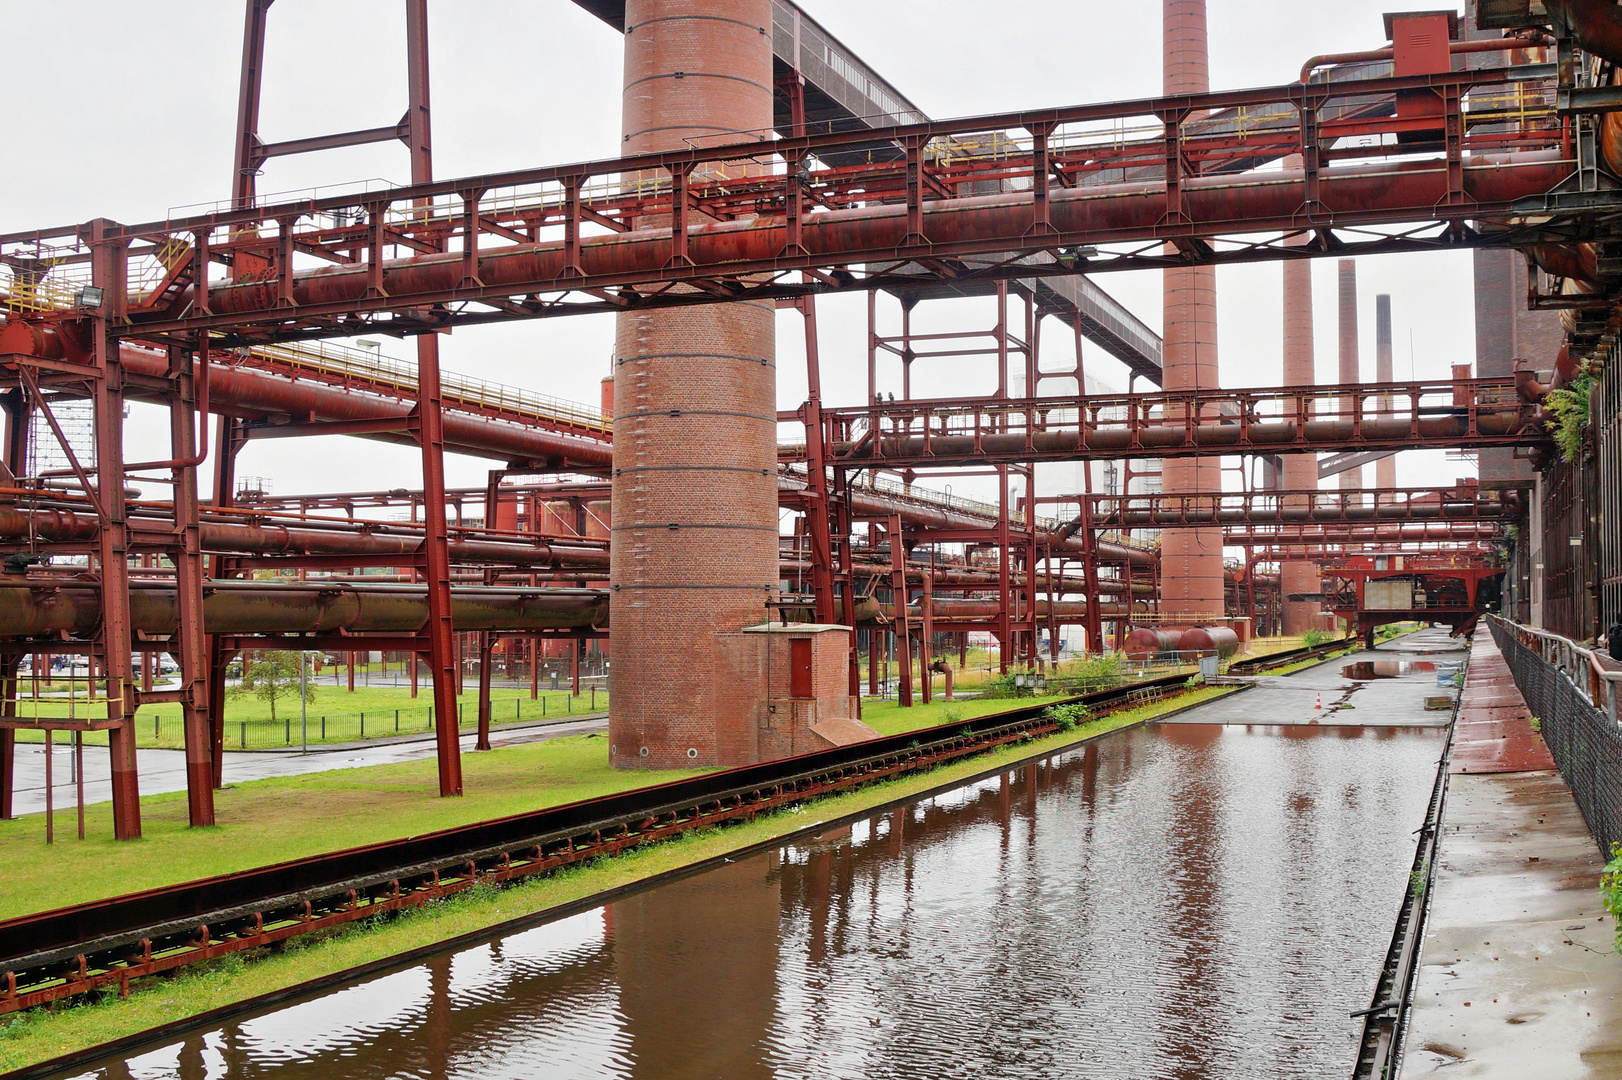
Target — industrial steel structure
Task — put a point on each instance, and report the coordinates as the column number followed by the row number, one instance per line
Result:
column 765, row 166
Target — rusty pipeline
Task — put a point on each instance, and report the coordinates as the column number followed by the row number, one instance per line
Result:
column 39, row 607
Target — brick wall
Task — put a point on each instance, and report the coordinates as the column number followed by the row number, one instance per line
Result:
column 694, row 553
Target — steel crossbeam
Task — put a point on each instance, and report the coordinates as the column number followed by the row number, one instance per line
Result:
column 1467, row 503
column 539, row 242
column 953, row 432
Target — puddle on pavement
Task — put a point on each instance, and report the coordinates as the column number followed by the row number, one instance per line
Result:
column 1384, row 669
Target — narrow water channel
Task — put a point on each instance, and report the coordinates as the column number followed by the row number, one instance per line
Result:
column 1174, row 901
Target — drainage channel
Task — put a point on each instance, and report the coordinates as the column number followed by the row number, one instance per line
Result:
column 1385, row 1020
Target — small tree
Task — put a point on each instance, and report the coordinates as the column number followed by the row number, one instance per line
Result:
column 273, row 676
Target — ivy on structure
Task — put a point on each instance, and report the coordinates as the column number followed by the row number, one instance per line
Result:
column 1569, row 405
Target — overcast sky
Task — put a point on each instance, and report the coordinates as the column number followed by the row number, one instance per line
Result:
column 140, row 123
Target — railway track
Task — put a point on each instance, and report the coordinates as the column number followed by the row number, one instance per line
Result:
column 1274, row 661
column 53, row 955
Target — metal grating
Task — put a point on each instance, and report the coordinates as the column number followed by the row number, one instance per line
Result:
column 1586, row 744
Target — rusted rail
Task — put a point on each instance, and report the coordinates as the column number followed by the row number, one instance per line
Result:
column 70, row 951
column 1276, row 660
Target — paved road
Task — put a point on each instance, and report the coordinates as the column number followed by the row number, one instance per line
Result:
column 165, row 770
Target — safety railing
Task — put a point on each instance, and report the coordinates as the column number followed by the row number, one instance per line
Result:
column 1574, row 698
column 362, row 367
column 555, row 221
column 1449, row 412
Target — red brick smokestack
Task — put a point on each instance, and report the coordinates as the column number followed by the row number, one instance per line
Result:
column 1349, row 359
column 1300, row 470
column 1191, row 576
column 695, row 431
column 1385, row 470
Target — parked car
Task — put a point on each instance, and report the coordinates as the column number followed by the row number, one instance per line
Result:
column 163, row 664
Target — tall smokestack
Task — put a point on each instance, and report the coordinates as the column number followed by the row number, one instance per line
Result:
column 1191, row 578
column 1300, row 473
column 694, row 507
column 1349, row 365
column 1385, row 470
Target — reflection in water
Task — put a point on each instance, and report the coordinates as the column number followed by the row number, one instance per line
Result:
column 1180, row 901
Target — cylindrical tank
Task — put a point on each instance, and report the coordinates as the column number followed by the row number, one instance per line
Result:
column 1208, row 641
column 1146, row 644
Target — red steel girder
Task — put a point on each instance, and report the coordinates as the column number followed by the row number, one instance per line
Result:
column 1467, row 502
column 954, row 432
column 1362, row 533
column 517, row 244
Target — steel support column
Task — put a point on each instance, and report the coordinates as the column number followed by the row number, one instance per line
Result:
column 108, row 270
column 190, row 646
column 903, row 628
column 436, row 639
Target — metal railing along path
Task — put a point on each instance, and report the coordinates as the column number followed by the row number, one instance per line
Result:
column 1575, row 699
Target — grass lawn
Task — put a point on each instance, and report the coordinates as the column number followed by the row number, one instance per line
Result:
column 335, row 715
column 42, row 1034
column 269, row 821
column 889, row 718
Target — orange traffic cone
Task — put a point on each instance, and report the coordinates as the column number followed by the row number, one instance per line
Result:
column 1320, row 703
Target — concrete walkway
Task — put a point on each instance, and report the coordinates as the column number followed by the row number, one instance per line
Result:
column 165, row 770
column 1383, row 687
column 1517, row 974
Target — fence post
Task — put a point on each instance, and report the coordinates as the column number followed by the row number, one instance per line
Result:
column 363, row 725
column 397, row 721
column 244, row 735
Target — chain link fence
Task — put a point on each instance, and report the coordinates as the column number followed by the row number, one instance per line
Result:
column 1585, row 741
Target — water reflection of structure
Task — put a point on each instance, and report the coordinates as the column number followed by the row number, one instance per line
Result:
column 1169, row 901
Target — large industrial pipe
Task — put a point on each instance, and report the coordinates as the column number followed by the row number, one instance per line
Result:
column 1170, row 439
column 37, row 607
column 50, row 525
column 1128, row 210
column 1596, row 25
column 251, row 394
column 1456, row 509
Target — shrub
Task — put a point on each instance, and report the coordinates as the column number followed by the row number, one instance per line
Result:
column 1070, row 716
column 1002, row 686
column 1611, row 891
column 1314, row 638
column 1569, row 405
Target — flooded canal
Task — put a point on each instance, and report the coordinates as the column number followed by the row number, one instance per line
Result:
column 1179, row 901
